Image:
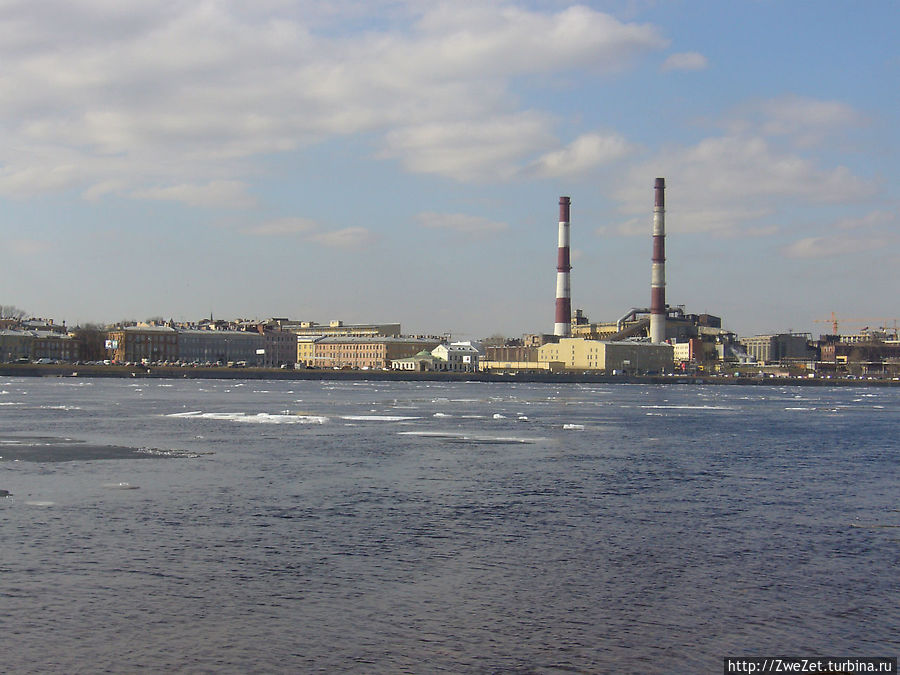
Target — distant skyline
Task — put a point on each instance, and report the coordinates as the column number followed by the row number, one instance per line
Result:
column 402, row 161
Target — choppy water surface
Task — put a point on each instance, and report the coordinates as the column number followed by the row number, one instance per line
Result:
column 210, row 526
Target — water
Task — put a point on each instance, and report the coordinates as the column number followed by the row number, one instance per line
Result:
column 259, row 527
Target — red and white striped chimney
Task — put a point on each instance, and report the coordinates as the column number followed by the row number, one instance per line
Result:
column 563, row 325
column 658, row 269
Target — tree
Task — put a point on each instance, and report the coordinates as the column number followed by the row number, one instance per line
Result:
column 12, row 312
column 496, row 340
column 93, row 342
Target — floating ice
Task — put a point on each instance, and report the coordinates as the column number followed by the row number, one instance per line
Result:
column 378, row 418
column 120, row 486
column 454, row 437
column 687, row 407
column 258, row 418
column 573, row 427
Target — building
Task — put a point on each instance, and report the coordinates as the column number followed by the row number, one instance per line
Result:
column 861, row 358
column 778, row 348
column 366, row 352
column 340, row 329
column 54, row 346
column 135, row 344
column 624, row 357
column 488, row 365
column 519, row 353
column 689, row 351
column 423, row 362
column 306, row 350
column 280, row 347
column 458, row 357
column 221, row 347
column 15, row 345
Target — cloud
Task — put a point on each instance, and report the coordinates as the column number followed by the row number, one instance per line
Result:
column 28, row 247
column 582, row 154
column 487, row 149
column 349, row 237
column 873, row 231
column 833, row 245
column 875, row 219
column 313, row 232
column 802, row 121
column 685, row 61
column 725, row 184
column 283, row 227
column 122, row 98
column 473, row 226
column 217, row 194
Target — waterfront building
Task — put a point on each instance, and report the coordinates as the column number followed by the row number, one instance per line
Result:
column 221, row 347
column 422, row 362
column 306, row 350
column 134, row 344
column 458, row 357
column 280, row 347
column 340, row 329
column 54, row 346
column 778, row 348
column 366, row 353
column 624, row 357
column 15, row 345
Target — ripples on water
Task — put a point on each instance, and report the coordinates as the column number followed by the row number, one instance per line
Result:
column 458, row 528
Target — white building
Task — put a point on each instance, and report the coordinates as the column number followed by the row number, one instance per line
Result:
column 460, row 357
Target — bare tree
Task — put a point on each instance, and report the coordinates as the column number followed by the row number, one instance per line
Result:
column 93, row 342
column 12, row 312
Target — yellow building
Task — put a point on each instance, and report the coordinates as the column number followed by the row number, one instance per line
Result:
column 366, row 353
column 306, row 350
column 625, row 357
column 519, row 366
column 340, row 329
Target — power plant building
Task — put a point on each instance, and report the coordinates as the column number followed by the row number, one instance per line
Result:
column 624, row 357
column 775, row 348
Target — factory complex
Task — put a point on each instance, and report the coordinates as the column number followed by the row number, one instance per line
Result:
column 657, row 339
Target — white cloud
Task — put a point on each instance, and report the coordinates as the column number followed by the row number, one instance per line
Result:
column 216, row 194
column 27, row 247
column 582, row 154
column 802, row 121
column 873, row 231
column 283, row 227
column 487, row 149
column 474, row 226
column 685, row 61
column 146, row 93
column 725, row 184
column 349, row 237
column 833, row 245
column 875, row 219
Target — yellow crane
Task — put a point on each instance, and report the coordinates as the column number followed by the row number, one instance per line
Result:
column 880, row 322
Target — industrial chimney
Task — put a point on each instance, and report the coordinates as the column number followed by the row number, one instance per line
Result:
column 563, row 325
column 658, row 269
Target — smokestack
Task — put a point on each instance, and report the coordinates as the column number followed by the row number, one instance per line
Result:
column 658, row 269
column 563, row 325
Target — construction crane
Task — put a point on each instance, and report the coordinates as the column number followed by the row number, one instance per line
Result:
column 880, row 322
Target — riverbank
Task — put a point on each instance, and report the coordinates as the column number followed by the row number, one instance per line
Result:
column 221, row 373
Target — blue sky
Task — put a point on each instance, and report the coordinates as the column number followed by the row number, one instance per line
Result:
column 391, row 161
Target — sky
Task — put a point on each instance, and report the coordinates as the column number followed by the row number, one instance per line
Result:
column 384, row 161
